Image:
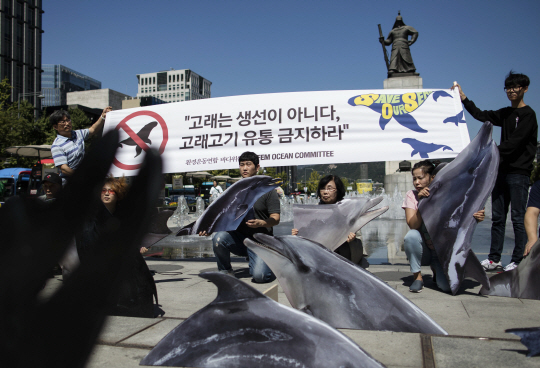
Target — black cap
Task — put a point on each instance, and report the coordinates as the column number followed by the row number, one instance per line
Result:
column 53, row 178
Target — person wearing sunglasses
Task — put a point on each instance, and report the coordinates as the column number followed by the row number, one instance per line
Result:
column 519, row 131
column 68, row 147
column 134, row 287
column 330, row 191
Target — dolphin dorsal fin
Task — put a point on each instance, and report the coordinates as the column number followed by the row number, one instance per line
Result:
column 240, row 211
column 230, row 288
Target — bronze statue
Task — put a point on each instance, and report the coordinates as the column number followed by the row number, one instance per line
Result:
column 400, row 60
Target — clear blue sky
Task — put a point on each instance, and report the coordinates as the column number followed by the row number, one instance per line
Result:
column 249, row 47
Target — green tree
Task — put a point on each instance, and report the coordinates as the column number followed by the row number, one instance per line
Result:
column 345, row 183
column 313, row 181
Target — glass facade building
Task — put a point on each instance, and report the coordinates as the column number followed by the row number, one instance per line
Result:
column 20, row 48
column 57, row 80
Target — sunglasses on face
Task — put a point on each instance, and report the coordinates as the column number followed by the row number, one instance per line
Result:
column 110, row 191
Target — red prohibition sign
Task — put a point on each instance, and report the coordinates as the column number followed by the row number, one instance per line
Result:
column 123, row 125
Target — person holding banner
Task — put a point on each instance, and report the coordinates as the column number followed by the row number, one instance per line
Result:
column 68, row 147
column 267, row 215
column 519, row 132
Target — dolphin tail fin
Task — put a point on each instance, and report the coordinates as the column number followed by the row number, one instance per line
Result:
column 473, row 269
column 230, row 289
column 138, row 150
column 186, row 230
column 383, row 122
column 241, row 211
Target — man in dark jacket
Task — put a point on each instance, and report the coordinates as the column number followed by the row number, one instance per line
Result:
column 519, row 130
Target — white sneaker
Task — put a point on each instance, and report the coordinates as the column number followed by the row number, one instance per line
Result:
column 491, row 266
column 510, row 266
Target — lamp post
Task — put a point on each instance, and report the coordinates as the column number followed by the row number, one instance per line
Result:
column 27, row 94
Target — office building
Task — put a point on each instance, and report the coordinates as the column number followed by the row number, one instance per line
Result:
column 173, row 86
column 57, row 80
column 20, row 48
column 97, row 99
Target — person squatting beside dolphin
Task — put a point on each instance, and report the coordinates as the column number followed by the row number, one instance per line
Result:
column 519, row 131
column 330, row 191
column 264, row 215
column 417, row 243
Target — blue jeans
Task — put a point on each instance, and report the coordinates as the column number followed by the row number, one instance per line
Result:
column 419, row 254
column 226, row 242
column 510, row 189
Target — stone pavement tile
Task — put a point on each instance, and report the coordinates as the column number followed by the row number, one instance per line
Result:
column 151, row 336
column 393, row 349
column 449, row 314
column 118, row 328
column 115, row 356
column 461, row 352
column 496, row 314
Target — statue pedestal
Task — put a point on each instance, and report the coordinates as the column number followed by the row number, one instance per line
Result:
column 408, row 82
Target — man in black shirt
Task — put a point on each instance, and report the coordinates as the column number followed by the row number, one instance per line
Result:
column 519, row 131
column 266, row 213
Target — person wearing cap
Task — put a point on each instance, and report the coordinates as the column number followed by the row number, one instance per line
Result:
column 68, row 147
column 52, row 184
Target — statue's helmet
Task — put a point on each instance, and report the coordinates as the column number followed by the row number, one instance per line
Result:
column 399, row 21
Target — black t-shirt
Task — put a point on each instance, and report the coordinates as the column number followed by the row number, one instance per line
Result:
column 519, row 130
column 266, row 205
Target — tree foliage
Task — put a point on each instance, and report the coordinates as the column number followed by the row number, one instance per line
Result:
column 313, row 181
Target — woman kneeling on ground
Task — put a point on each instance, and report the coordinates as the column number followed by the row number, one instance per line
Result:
column 330, row 191
column 417, row 243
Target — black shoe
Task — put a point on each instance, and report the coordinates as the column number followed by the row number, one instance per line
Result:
column 416, row 286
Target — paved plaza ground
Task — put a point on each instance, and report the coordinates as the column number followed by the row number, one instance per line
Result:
column 475, row 323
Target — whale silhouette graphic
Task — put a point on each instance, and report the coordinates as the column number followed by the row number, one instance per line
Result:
column 386, row 104
column 144, row 133
column 424, row 148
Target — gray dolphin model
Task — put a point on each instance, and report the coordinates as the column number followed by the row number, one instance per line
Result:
column 226, row 212
column 330, row 224
column 327, row 286
column 244, row 328
column 459, row 190
column 530, row 337
column 521, row 282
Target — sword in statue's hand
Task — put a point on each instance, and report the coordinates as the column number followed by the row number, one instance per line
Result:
column 381, row 39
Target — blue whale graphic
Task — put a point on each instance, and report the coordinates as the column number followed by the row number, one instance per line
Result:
column 403, row 118
column 457, row 119
column 424, row 148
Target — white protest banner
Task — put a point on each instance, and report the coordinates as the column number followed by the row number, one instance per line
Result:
column 299, row 128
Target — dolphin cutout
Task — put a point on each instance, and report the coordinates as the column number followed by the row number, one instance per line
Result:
column 329, row 287
column 530, row 337
column 330, row 224
column 459, row 190
column 438, row 94
column 244, row 328
column 424, row 148
column 144, row 133
column 521, row 282
column 228, row 210
column 457, row 119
